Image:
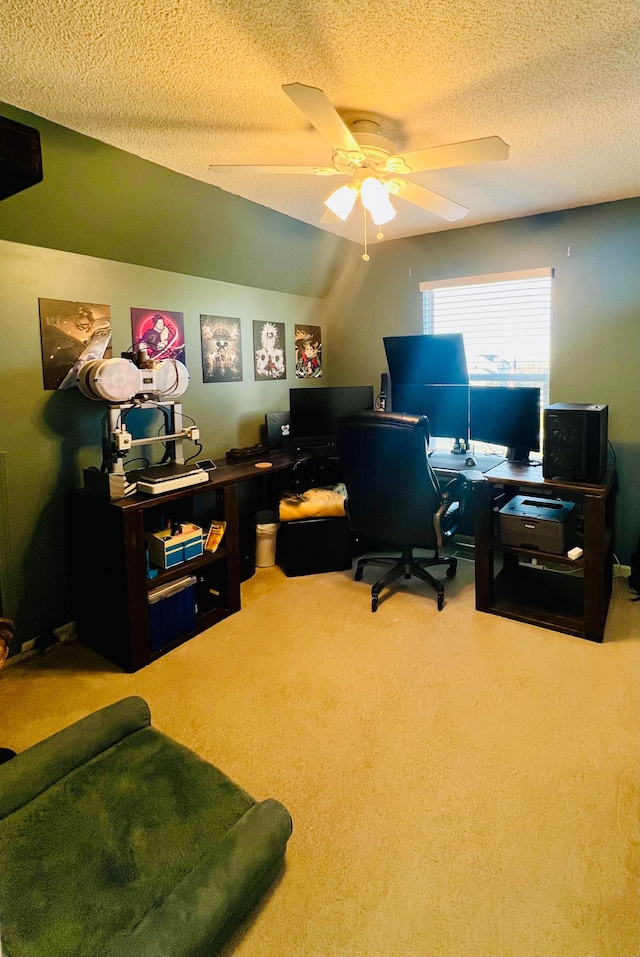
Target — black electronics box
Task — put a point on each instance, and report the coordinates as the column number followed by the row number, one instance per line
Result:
column 20, row 157
column 308, row 546
column 575, row 442
column 543, row 524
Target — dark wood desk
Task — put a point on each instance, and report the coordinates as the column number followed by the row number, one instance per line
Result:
column 574, row 604
column 109, row 548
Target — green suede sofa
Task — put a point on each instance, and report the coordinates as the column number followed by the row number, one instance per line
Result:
column 116, row 840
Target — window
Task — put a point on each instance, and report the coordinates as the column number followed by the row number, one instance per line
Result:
column 505, row 320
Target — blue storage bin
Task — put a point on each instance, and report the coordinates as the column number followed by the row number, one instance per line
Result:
column 167, row 549
column 172, row 611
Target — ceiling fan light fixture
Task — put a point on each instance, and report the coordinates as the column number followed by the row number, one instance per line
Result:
column 383, row 213
column 342, row 201
column 375, row 198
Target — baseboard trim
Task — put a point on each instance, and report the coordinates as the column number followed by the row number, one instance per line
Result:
column 36, row 647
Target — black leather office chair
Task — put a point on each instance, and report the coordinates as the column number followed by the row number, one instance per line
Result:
column 394, row 496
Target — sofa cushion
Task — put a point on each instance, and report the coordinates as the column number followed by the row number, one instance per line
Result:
column 106, row 846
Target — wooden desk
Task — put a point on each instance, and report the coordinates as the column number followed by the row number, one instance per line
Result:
column 574, row 604
column 109, row 546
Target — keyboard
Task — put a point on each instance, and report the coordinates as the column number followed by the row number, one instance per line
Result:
column 319, row 451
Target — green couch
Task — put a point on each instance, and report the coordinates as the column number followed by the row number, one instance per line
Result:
column 116, row 840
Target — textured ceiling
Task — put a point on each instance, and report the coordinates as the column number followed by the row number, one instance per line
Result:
column 190, row 83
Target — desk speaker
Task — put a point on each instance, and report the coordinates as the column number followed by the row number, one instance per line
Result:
column 575, row 442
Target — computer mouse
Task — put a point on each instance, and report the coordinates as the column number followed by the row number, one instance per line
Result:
column 470, row 461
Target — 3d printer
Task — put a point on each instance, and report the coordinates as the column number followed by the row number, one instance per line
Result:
column 136, row 382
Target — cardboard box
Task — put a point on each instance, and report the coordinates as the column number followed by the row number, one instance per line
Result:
column 167, row 550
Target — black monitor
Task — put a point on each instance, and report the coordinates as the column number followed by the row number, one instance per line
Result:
column 507, row 416
column 314, row 412
column 447, row 407
column 427, row 360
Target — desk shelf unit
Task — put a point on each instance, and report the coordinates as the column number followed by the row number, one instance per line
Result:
column 112, row 614
column 544, row 589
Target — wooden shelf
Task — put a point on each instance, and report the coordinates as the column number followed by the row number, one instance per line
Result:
column 548, row 597
column 542, row 557
column 540, row 597
column 166, row 575
column 112, row 614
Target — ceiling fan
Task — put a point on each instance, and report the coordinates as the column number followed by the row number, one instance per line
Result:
column 375, row 169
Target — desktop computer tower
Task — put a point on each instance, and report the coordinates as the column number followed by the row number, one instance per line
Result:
column 575, row 442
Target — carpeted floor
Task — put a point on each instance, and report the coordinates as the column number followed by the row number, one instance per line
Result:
column 460, row 784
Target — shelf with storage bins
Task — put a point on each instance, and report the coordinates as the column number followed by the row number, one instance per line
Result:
column 111, row 538
column 109, row 546
column 543, row 588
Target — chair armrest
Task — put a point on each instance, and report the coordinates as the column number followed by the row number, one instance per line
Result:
column 463, row 481
column 453, row 498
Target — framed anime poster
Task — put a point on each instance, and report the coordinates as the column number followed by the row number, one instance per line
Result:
column 158, row 331
column 71, row 334
column 269, row 352
column 308, row 343
column 221, row 349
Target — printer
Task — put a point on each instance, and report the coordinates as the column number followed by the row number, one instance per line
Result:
column 543, row 524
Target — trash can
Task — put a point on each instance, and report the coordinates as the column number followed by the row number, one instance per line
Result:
column 266, row 533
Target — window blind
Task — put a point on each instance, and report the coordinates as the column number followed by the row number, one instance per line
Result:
column 505, row 320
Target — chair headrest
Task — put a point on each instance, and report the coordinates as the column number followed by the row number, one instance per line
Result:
column 400, row 419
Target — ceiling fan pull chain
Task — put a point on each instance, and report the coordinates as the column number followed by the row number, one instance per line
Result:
column 365, row 254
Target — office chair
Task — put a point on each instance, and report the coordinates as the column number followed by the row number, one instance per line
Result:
column 394, row 496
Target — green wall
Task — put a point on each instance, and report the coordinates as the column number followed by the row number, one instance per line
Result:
column 100, row 201
column 105, row 226
column 595, row 330
column 46, row 437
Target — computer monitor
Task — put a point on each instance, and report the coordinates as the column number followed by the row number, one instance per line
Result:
column 447, row 407
column 314, row 412
column 507, row 416
column 427, row 360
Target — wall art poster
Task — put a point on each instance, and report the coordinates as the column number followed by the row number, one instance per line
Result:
column 158, row 331
column 72, row 333
column 269, row 350
column 221, row 349
column 308, row 342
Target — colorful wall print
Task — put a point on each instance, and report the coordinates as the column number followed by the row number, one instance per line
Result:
column 158, row 331
column 269, row 350
column 308, row 342
column 221, row 349
column 72, row 333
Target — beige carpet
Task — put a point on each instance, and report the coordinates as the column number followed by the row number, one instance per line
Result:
column 459, row 784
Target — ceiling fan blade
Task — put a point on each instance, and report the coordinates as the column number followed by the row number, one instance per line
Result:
column 489, row 149
column 298, row 170
column 433, row 202
column 322, row 114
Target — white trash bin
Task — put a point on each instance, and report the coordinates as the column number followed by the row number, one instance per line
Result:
column 267, row 526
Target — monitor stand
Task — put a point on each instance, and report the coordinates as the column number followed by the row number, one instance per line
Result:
column 518, row 455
